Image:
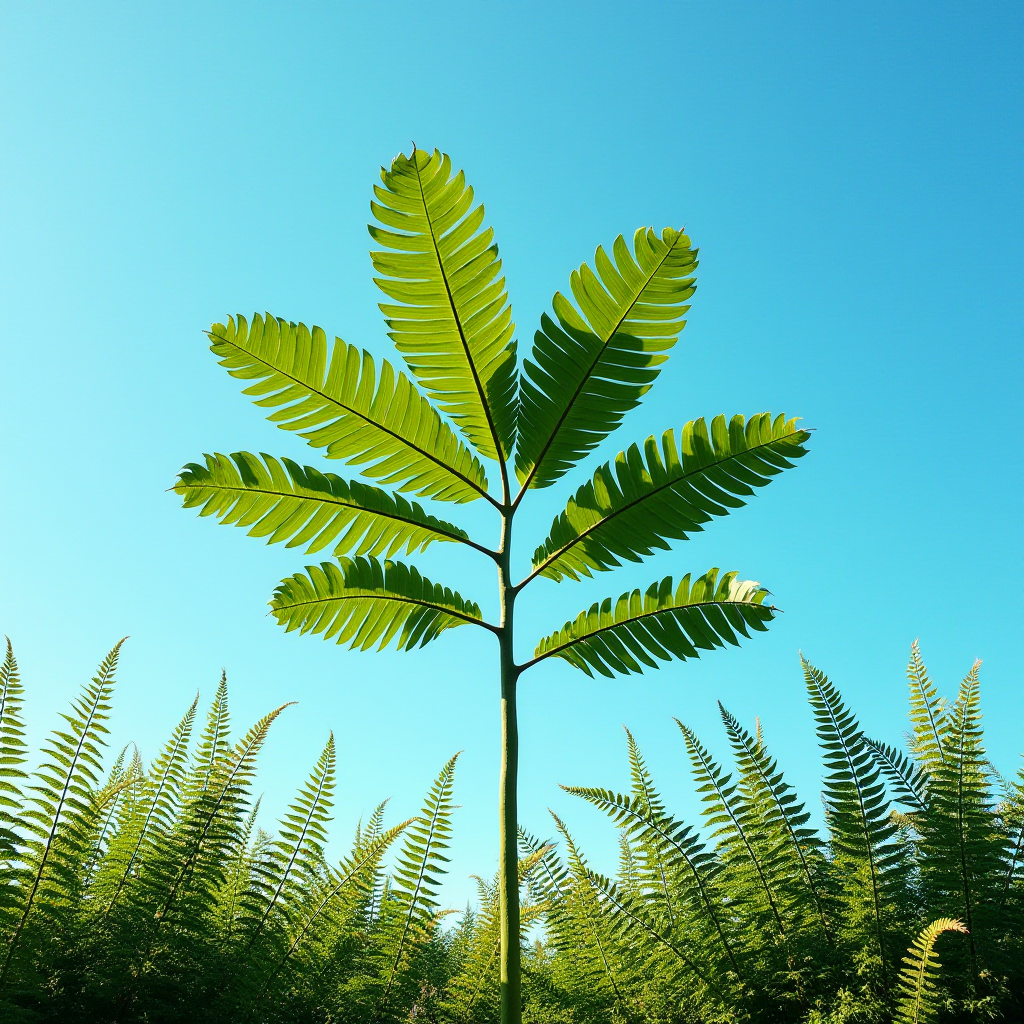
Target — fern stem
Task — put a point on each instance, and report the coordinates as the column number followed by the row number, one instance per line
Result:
column 508, row 860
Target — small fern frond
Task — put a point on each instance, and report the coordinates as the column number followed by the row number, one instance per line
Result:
column 299, row 505
column 927, row 713
column 365, row 603
column 13, row 751
column 420, row 861
column 374, row 419
column 663, row 623
column 917, row 1002
column 59, row 815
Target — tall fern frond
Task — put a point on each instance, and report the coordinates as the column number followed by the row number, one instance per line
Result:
column 927, row 714
column 13, row 750
column 769, row 807
column 737, row 842
column 594, row 365
column 917, row 1002
column 283, row 501
column 214, row 747
column 296, row 855
column 418, row 865
column 362, row 864
column 450, row 316
column 860, row 827
column 656, row 496
column 364, row 603
column 961, row 859
column 160, row 796
column 662, row 623
column 339, row 402
column 59, row 813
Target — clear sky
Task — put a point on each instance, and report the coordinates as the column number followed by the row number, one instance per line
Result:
column 853, row 175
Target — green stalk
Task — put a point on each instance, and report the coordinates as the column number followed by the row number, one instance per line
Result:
column 508, row 864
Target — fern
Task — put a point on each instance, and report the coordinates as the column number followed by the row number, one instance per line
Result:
column 961, row 856
column 860, row 828
column 908, row 779
column 917, row 1002
column 772, row 815
column 734, row 831
column 420, row 861
column 12, row 741
column 171, row 903
column 58, row 817
column 927, row 714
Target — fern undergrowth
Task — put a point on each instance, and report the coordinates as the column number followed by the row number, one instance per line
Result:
column 151, row 892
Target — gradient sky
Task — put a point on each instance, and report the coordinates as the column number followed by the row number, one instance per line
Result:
column 852, row 173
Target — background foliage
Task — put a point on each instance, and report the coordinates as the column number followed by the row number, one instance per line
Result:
column 148, row 892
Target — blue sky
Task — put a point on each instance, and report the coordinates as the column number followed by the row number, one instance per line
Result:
column 852, row 173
